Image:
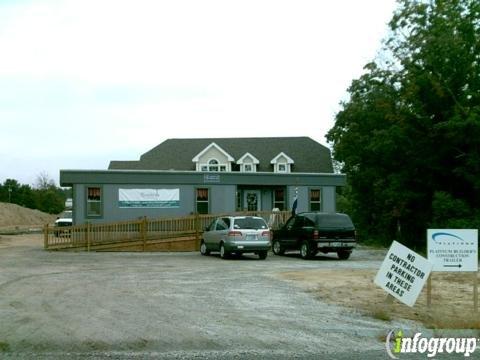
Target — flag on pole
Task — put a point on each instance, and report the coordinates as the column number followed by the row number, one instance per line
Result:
column 295, row 202
column 294, row 207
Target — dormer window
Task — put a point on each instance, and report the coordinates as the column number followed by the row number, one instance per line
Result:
column 248, row 163
column 213, row 165
column 282, row 163
column 213, row 158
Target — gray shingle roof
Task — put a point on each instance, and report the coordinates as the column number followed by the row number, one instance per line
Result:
column 176, row 154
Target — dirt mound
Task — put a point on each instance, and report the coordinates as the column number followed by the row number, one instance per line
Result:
column 15, row 216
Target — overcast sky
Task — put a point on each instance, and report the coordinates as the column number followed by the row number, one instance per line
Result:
column 85, row 82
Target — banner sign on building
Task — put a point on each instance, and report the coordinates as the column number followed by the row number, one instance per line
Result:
column 149, row 198
column 453, row 249
column 403, row 273
column 211, row 178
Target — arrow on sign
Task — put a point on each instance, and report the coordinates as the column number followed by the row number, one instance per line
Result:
column 459, row 265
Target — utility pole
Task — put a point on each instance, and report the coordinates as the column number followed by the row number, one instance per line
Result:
column 9, row 194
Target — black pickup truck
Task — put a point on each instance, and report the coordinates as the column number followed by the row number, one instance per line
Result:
column 313, row 232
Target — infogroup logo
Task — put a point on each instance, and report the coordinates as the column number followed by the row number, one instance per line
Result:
column 396, row 344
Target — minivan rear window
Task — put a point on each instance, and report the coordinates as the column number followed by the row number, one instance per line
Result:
column 331, row 220
column 249, row 223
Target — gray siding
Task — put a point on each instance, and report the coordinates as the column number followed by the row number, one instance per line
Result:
column 329, row 199
column 302, row 203
column 78, row 204
column 222, row 199
column 222, row 191
column 267, row 199
column 113, row 211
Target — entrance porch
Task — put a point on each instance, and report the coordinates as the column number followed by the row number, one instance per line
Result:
column 261, row 198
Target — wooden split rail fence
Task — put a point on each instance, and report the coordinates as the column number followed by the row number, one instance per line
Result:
column 163, row 234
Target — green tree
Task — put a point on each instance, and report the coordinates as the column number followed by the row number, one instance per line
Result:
column 49, row 200
column 9, row 191
column 47, row 197
column 411, row 128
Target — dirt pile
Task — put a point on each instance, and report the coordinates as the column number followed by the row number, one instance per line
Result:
column 14, row 216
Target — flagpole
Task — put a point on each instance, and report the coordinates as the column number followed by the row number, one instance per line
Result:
column 295, row 202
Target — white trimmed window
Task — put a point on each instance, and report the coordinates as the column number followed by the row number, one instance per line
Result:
column 213, row 158
column 279, row 199
column 94, row 202
column 248, row 163
column 213, row 165
column 202, row 200
column 282, row 163
column 315, row 200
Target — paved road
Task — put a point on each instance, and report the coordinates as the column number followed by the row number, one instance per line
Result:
column 173, row 305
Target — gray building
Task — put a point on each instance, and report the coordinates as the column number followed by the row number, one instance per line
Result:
column 186, row 176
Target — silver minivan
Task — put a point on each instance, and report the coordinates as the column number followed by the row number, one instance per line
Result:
column 236, row 235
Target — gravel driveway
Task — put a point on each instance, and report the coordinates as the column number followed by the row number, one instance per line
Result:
column 173, row 305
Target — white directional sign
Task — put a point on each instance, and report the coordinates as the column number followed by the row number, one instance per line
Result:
column 453, row 249
column 403, row 273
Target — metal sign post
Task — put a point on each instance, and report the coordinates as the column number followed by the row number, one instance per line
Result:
column 475, row 292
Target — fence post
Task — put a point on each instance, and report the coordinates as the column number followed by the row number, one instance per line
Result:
column 143, row 229
column 45, row 237
column 197, row 232
column 87, row 236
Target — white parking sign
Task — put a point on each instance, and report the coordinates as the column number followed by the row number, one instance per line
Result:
column 453, row 249
column 403, row 273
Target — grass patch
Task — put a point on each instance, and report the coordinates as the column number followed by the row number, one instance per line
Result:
column 452, row 297
column 381, row 314
column 449, row 320
column 4, row 347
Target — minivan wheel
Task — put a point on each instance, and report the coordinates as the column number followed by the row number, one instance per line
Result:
column 203, row 249
column 223, row 253
column 343, row 254
column 262, row 255
column 305, row 252
column 277, row 248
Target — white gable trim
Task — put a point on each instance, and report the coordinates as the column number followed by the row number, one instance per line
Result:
column 255, row 160
column 197, row 157
column 289, row 159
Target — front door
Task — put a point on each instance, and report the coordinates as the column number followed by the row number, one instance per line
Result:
column 252, row 200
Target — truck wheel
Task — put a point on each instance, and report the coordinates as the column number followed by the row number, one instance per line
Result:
column 262, row 255
column 277, row 248
column 343, row 254
column 305, row 251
